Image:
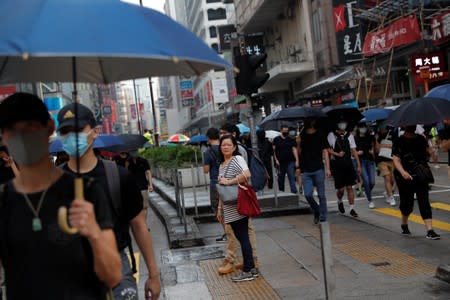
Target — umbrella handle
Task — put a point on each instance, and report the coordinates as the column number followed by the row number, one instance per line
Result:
column 62, row 212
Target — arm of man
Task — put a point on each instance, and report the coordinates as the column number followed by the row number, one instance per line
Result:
column 295, row 152
column 352, row 142
column 206, row 159
column 145, row 244
column 274, row 148
column 93, row 222
column 445, row 145
column 326, row 159
column 148, row 175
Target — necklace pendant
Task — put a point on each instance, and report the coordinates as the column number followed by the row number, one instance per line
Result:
column 37, row 225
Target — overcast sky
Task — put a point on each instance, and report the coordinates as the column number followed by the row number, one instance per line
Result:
column 155, row 4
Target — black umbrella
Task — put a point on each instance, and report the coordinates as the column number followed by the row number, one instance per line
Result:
column 289, row 116
column 130, row 142
column 420, row 111
column 343, row 112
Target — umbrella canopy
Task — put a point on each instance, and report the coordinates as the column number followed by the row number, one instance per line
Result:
column 442, row 91
column 102, row 141
column 178, row 138
column 343, row 112
column 47, row 38
column 289, row 116
column 376, row 114
column 420, row 111
column 197, row 139
column 271, row 134
column 129, row 142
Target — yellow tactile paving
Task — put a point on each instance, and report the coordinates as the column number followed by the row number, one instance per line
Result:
column 137, row 257
column 384, row 259
column 441, row 206
column 222, row 288
column 413, row 218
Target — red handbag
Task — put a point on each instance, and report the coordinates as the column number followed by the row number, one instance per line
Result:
column 247, row 203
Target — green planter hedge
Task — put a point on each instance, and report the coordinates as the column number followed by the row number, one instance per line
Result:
column 173, row 157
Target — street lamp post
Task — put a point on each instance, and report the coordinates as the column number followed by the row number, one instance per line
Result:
column 155, row 121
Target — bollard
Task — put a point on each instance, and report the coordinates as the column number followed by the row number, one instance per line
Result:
column 327, row 261
column 183, row 206
column 177, row 192
column 194, row 189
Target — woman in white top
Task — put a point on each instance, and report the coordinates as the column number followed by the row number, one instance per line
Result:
column 233, row 170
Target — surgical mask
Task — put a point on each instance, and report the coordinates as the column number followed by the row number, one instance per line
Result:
column 69, row 143
column 342, row 125
column 292, row 133
column 363, row 130
column 28, row 148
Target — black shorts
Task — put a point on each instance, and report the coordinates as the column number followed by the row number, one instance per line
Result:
column 344, row 177
column 214, row 197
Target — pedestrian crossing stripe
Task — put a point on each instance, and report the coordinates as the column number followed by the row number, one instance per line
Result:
column 441, row 206
column 137, row 258
column 413, row 218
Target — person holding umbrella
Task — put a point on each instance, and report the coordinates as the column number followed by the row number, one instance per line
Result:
column 407, row 151
column 123, row 196
column 41, row 261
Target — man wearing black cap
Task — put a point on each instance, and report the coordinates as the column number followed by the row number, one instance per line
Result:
column 41, row 261
column 119, row 186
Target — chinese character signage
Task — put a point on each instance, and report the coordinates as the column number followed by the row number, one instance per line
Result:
column 401, row 32
column 254, row 45
column 226, row 34
column 440, row 28
column 433, row 62
column 187, row 93
column 220, row 90
column 349, row 34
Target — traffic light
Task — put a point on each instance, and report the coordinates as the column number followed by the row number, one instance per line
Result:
column 247, row 80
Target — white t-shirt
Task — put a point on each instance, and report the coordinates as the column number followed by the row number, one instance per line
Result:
column 332, row 140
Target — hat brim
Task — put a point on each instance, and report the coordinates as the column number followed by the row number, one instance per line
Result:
column 72, row 123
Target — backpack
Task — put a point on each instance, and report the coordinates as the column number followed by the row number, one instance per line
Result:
column 259, row 174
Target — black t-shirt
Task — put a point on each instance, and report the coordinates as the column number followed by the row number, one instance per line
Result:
column 6, row 174
column 283, row 149
column 312, row 145
column 444, row 134
column 415, row 146
column 211, row 159
column 131, row 201
column 365, row 144
column 137, row 171
column 265, row 150
column 49, row 264
column 120, row 160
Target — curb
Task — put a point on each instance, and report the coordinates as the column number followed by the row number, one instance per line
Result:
column 443, row 273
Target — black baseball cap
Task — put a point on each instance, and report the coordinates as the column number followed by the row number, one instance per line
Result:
column 66, row 116
column 22, row 107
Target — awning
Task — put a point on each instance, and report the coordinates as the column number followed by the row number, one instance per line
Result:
column 330, row 82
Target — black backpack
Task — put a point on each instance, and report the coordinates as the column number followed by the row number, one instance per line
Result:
column 259, row 174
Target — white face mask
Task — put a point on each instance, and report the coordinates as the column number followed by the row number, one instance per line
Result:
column 342, row 125
column 28, row 148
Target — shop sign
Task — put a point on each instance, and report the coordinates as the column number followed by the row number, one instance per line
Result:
column 227, row 33
column 6, row 91
column 317, row 103
column 440, row 28
column 402, row 32
column 187, row 93
column 431, row 63
column 187, row 102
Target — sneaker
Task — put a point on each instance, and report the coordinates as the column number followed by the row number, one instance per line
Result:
column 341, row 207
column 392, row 201
column 244, row 276
column 405, row 229
column 371, row 205
column 353, row 213
column 255, row 272
column 431, row 235
column 316, row 219
column 222, row 239
column 386, row 197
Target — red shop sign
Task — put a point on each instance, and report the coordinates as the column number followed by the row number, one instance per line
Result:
column 440, row 28
column 401, row 32
column 433, row 62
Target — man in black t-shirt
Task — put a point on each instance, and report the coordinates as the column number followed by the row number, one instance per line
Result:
column 286, row 158
column 313, row 152
column 130, row 213
column 41, row 260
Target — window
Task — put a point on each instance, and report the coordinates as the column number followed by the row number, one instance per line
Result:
column 213, row 1
column 215, row 46
column 216, row 14
column 320, row 64
column 212, row 32
column 317, row 29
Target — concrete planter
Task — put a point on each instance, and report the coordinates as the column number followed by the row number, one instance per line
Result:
column 198, row 178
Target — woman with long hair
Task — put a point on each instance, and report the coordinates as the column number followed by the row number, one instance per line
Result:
column 233, row 170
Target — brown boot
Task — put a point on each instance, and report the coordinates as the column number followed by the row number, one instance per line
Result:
column 226, row 267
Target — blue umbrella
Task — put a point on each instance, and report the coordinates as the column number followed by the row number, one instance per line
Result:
column 376, row 114
column 442, row 91
column 98, row 41
column 244, row 129
column 102, row 141
column 197, row 139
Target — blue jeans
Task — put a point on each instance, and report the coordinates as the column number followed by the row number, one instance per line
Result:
column 127, row 288
column 368, row 177
column 240, row 230
column 317, row 179
column 289, row 168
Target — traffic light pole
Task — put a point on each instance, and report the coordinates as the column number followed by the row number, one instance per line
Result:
column 251, row 123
